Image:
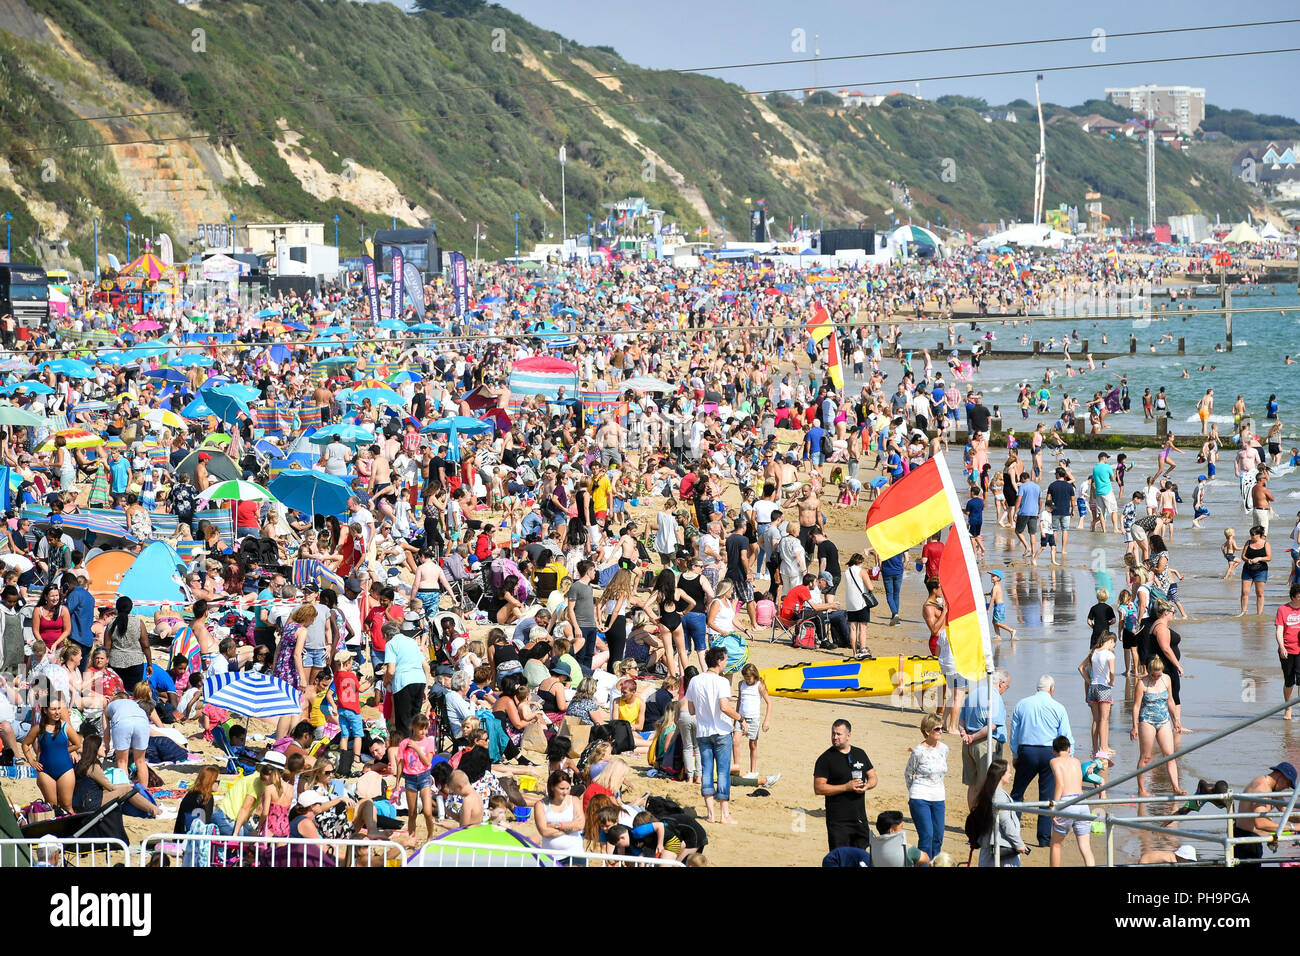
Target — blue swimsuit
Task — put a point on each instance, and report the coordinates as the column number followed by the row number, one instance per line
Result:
column 55, row 759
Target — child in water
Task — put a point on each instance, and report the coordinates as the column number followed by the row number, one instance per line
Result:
column 998, row 606
column 1230, row 551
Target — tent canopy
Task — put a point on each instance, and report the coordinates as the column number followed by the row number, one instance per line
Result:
column 1243, row 232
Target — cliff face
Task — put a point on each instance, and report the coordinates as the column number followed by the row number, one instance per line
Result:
column 182, row 114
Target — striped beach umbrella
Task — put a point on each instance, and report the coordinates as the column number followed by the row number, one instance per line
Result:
column 252, row 694
column 75, row 438
column 237, row 490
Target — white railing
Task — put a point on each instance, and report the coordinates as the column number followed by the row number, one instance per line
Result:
column 439, row 854
column 88, row 852
column 213, row 850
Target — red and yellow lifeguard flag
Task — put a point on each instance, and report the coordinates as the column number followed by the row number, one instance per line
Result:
column 968, row 625
column 820, row 324
column 833, row 366
column 910, row 510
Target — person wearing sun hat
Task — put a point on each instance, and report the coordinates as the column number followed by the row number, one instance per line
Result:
column 233, row 813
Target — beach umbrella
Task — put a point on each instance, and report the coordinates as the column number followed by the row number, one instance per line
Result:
column 268, row 313
column 646, row 383
column 197, row 409
column 499, row 418
column 163, row 418
column 425, row 327
column 31, row 388
column 73, row 368
column 405, row 375
column 215, row 440
column 392, row 325
column 192, row 358
column 378, row 396
column 114, row 358
column 252, row 694
column 167, row 375
column 220, row 467
column 186, row 645
column 74, row 437
column 225, row 404
column 295, row 326
column 335, row 361
column 454, row 426
column 348, row 434
column 461, row 846
column 14, row 365
column 311, row 492
column 156, row 575
column 237, row 490
column 13, row 415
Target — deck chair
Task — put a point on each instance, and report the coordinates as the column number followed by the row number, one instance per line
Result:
column 443, row 738
column 234, row 764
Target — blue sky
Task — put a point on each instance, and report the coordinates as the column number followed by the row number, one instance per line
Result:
column 683, row 34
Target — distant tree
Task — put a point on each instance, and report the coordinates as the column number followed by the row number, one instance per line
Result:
column 822, row 98
column 450, row 8
column 1112, row 111
column 970, row 102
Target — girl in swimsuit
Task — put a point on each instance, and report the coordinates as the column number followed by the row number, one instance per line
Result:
column 55, row 740
column 1152, row 722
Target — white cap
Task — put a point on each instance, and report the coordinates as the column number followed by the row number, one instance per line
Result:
column 457, row 644
column 310, row 798
column 1186, row 852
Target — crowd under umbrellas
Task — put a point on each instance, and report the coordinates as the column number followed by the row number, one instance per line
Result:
column 223, row 471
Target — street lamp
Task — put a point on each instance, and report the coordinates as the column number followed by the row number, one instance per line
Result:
column 336, row 230
column 8, row 220
column 127, row 220
column 516, row 239
column 232, row 233
column 589, row 234
column 564, row 212
column 724, row 232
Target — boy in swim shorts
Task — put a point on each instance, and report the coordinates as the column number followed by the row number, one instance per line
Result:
column 1067, row 773
column 998, row 607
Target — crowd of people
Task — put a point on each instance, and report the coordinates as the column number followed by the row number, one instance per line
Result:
column 516, row 578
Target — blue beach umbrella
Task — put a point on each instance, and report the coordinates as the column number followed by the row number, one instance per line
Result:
column 167, row 375
column 454, row 426
column 190, row 359
column 73, row 368
column 225, row 404
column 251, row 694
column 311, row 492
column 348, row 434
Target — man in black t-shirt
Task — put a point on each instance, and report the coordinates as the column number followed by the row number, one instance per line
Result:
column 740, row 568
column 828, row 557
column 979, row 417
column 843, row 775
column 1060, row 495
column 441, row 468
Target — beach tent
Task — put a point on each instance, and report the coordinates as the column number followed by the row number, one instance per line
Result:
column 1242, row 232
column 106, row 571
column 901, row 237
column 1266, row 231
column 1027, row 235
column 450, row 848
column 543, row 376
column 221, row 268
column 156, row 576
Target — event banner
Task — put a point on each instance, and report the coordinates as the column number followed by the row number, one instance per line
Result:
column 372, row 288
column 413, row 282
column 398, row 275
column 460, row 282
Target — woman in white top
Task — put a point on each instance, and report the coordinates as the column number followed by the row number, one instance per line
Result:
column 721, row 618
column 1098, row 672
column 559, row 818
column 857, row 604
column 927, row 765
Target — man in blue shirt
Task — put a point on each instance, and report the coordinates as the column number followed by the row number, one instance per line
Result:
column 1035, row 723
column 984, row 706
column 812, row 446
column 1028, row 503
column 119, row 470
column 1103, row 476
column 81, row 608
column 165, row 696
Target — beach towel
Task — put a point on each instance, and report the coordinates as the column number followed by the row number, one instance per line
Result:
column 311, row 571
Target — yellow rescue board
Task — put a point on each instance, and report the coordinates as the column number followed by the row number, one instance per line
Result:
column 874, row 677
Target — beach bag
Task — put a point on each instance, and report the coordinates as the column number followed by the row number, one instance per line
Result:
column 827, row 446
column 764, row 612
column 534, row 739
column 737, row 649
column 622, row 739
column 804, row 636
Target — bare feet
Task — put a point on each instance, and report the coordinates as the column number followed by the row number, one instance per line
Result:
column 731, row 821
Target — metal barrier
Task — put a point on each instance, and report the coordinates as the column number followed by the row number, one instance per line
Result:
column 438, row 854
column 215, row 851
column 87, row 852
column 1283, row 800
